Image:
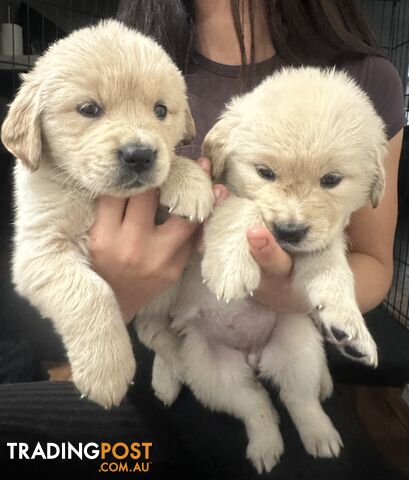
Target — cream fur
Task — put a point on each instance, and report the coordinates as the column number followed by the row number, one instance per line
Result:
column 303, row 124
column 66, row 161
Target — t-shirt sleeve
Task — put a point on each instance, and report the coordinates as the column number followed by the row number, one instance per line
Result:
column 380, row 79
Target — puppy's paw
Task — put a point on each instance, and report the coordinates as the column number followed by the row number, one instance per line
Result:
column 265, row 449
column 345, row 327
column 320, row 439
column 165, row 382
column 229, row 277
column 192, row 198
column 105, row 378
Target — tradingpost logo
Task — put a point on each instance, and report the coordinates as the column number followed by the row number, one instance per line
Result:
column 114, row 457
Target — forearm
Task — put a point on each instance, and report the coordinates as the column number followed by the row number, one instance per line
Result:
column 372, row 279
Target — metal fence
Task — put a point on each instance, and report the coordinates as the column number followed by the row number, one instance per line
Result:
column 44, row 21
column 389, row 20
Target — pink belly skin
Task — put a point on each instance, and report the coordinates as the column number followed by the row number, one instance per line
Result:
column 243, row 326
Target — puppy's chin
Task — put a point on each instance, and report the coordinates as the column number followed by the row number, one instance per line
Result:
column 131, row 188
column 305, row 246
column 128, row 192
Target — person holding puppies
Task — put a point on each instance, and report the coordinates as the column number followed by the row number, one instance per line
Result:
column 226, row 48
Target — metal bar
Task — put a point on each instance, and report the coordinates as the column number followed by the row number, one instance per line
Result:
column 42, row 32
column 400, row 44
column 56, row 22
column 10, row 8
column 28, row 34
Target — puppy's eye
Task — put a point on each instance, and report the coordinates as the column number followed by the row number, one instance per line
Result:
column 89, row 109
column 266, row 173
column 330, row 180
column 160, row 110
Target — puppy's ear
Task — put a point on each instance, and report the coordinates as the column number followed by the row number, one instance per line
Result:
column 214, row 148
column 21, row 130
column 378, row 185
column 190, row 129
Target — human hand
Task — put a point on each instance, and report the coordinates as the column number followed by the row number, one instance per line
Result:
column 275, row 290
column 220, row 194
column 136, row 257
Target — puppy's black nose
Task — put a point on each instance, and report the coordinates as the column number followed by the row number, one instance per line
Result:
column 137, row 158
column 290, row 232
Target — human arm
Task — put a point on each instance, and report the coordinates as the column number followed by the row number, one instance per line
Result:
column 371, row 233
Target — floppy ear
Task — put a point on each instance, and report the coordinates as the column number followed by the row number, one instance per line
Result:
column 21, row 130
column 214, row 148
column 190, row 129
column 378, row 185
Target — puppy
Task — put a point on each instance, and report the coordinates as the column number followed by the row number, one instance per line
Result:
column 299, row 154
column 100, row 113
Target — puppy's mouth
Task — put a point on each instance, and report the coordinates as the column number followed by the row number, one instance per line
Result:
column 305, row 247
column 291, row 247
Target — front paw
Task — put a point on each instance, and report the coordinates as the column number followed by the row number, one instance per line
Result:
column 230, row 277
column 345, row 327
column 105, row 376
column 192, row 198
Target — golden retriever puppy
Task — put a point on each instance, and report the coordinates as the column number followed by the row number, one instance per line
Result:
column 300, row 154
column 100, row 113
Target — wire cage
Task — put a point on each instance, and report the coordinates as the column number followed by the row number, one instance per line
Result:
column 389, row 20
column 34, row 24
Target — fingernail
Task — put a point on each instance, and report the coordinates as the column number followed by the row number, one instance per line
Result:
column 258, row 242
column 204, row 163
column 218, row 192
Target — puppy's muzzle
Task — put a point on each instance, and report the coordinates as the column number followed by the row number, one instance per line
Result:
column 136, row 158
column 291, row 233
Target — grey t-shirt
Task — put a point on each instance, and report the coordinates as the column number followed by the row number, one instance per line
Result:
column 211, row 85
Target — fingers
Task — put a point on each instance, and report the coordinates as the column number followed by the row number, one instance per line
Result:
column 182, row 255
column 221, row 193
column 205, row 164
column 267, row 253
column 176, row 231
column 141, row 210
column 109, row 213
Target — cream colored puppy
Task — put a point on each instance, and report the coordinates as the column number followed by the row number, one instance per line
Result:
column 300, row 154
column 100, row 113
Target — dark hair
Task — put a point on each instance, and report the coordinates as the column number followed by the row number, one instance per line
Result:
column 313, row 32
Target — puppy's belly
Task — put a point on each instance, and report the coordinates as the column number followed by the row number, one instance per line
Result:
column 242, row 326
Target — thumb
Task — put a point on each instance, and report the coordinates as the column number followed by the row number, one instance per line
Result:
column 272, row 259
